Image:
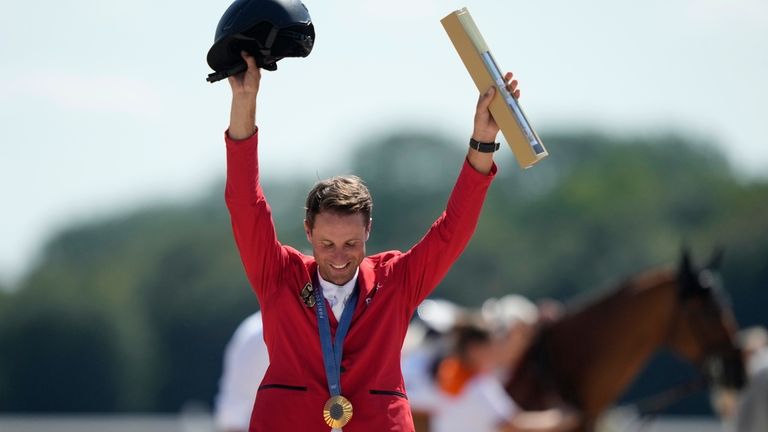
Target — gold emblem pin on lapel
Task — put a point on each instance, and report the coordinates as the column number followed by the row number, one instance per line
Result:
column 308, row 295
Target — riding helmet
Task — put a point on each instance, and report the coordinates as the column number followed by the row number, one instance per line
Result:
column 269, row 30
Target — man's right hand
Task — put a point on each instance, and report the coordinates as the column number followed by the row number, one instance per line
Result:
column 245, row 87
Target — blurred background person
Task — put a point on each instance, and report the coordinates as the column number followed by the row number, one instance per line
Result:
column 245, row 362
column 514, row 320
column 752, row 408
column 426, row 343
column 473, row 397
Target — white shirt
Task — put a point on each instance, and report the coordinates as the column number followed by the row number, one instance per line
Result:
column 337, row 295
column 245, row 362
column 480, row 407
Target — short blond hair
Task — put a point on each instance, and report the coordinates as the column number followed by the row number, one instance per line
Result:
column 341, row 194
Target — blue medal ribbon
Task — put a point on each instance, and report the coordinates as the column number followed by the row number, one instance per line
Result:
column 332, row 350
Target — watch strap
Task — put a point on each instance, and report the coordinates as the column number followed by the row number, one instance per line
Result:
column 483, row 147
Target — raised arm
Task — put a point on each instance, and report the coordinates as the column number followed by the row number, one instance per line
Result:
column 254, row 231
column 245, row 88
column 426, row 264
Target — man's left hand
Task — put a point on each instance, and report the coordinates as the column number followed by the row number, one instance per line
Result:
column 486, row 128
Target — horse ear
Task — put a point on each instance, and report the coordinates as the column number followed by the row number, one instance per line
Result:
column 716, row 260
column 688, row 281
column 685, row 260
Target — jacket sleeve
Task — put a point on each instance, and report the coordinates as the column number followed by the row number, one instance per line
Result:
column 425, row 265
column 262, row 254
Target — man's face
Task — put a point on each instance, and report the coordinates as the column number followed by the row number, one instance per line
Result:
column 338, row 244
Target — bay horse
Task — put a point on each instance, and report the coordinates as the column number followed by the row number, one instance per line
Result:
column 589, row 356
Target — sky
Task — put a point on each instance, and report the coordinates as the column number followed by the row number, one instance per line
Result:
column 104, row 105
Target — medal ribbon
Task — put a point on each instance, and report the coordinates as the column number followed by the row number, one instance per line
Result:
column 332, row 350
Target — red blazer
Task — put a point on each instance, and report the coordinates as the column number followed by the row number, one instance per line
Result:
column 294, row 389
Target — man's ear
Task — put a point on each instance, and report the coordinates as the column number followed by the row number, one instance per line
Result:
column 308, row 231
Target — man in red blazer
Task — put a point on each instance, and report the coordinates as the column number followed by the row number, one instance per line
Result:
column 294, row 393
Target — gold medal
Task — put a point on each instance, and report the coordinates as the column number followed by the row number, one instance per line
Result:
column 337, row 411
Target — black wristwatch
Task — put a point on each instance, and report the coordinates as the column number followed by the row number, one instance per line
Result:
column 482, row 147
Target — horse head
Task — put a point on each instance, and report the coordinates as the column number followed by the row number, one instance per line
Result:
column 704, row 331
column 590, row 355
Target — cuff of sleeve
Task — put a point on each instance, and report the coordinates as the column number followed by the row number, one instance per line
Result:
column 468, row 170
column 233, row 144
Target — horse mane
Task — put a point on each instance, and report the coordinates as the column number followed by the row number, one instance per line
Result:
column 634, row 284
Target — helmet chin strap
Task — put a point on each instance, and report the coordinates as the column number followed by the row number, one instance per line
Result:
column 267, row 47
column 218, row 76
column 270, row 63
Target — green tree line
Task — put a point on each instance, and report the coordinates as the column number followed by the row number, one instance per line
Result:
column 132, row 313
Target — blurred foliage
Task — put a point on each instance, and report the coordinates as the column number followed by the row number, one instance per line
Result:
column 132, row 313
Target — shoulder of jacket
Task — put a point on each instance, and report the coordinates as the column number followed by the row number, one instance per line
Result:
column 295, row 254
column 383, row 259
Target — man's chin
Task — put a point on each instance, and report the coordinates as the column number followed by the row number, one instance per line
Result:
column 338, row 278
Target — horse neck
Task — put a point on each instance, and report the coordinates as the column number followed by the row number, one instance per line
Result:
column 599, row 350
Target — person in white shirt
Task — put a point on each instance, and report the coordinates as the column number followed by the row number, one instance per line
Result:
column 424, row 346
column 245, row 362
column 473, row 397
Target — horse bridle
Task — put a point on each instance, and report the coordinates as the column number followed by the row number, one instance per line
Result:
column 716, row 367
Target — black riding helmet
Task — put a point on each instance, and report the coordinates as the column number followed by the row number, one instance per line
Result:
column 269, row 30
